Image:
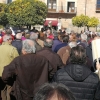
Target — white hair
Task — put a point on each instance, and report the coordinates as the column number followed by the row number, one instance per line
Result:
column 33, row 36
column 18, row 35
column 29, row 46
column 84, row 37
column 72, row 44
column 6, row 37
column 48, row 43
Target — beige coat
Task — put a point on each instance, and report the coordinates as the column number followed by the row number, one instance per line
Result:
column 7, row 54
column 40, row 42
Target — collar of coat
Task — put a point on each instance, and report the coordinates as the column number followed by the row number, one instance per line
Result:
column 46, row 48
column 6, row 43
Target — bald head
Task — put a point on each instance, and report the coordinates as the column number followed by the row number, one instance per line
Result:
column 48, row 43
column 28, row 46
column 18, row 35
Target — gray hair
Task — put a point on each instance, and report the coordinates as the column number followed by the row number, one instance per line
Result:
column 33, row 36
column 18, row 35
column 72, row 44
column 55, row 34
column 48, row 43
column 29, row 46
column 98, row 34
column 84, row 37
column 6, row 37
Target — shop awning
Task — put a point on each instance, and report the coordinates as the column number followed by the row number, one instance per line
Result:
column 53, row 22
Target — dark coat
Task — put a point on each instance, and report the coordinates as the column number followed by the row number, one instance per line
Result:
column 97, row 95
column 89, row 55
column 38, row 47
column 79, row 79
column 60, row 46
column 18, row 44
column 31, row 71
column 54, row 59
column 55, row 43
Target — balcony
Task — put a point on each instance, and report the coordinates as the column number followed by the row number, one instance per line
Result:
column 61, row 11
column 98, row 8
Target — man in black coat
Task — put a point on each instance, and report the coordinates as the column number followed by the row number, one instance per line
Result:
column 77, row 76
column 18, row 42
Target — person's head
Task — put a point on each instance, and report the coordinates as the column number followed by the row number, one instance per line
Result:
column 18, row 31
column 65, row 38
column 72, row 37
column 98, row 34
column 28, row 46
column 33, row 36
column 37, row 32
column 18, row 35
column 48, row 43
column 42, row 29
column 8, row 31
column 55, row 34
column 48, row 31
column 83, row 37
column 53, row 91
column 72, row 44
column 26, row 31
column 7, row 38
column 78, row 55
column 97, row 37
column 82, row 31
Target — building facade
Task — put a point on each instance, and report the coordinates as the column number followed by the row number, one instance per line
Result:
column 61, row 12
column 65, row 10
column 6, row 1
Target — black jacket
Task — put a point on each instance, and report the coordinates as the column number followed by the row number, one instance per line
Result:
column 80, row 80
column 18, row 44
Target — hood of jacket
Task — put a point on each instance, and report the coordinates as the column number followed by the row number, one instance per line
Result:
column 78, row 72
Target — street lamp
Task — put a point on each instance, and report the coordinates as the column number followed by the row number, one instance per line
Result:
column 85, row 11
column 85, row 6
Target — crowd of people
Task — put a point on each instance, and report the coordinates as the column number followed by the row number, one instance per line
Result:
column 48, row 65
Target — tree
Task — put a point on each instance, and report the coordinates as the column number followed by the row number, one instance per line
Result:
column 3, row 16
column 26, row 12
column 93, row 22
column 82, row 21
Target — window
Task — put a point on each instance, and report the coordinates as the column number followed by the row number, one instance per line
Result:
column 98, row 5
column 9, row 1
column 71, row 7
column 51, row 5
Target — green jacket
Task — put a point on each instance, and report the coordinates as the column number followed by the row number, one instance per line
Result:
column 7, row 54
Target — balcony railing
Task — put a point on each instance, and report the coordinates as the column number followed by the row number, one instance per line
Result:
column 62, row 9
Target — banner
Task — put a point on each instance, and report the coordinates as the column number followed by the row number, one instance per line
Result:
column 96, row 49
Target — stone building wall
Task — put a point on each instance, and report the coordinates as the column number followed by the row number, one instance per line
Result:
column 86, row 7
column 4, row 1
